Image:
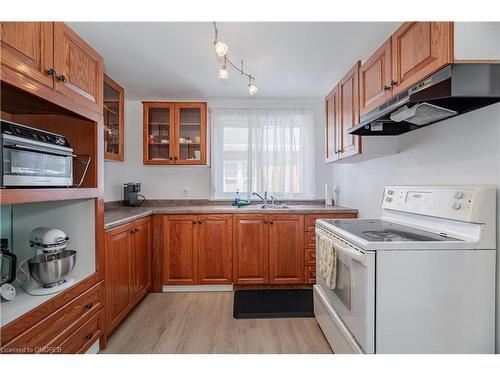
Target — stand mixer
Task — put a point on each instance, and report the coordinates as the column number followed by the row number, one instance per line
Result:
column 47, row 271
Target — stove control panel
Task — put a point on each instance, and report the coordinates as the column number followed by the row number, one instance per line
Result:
column 463, row 203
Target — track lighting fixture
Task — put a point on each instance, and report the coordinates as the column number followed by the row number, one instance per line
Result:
column 221, row 50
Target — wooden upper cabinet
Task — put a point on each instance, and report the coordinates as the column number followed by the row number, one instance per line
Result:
column 180, row 239
column 141, row 248
column 286, row 249
column 159, row 133
column 250, row 249
column 119, row 258
column 174, row 133
column 418, row 50
column 113, row 112
column 27, row 48
column 331, row 130
column 78, row 68
column 215, row 249
column 375, row 77
column 349, row 145
column 191, row 122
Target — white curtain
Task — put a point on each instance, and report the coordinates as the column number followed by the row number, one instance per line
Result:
column 257, row 150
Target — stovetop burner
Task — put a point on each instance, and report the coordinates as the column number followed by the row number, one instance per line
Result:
column 386, row 235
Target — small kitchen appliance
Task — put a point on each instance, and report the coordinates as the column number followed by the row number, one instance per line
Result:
column 420, row 279
column 131, row 194
column 8, row 263
column 49, row 269
column 34, row 158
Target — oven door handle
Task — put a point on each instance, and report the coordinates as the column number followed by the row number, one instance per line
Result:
column 351, row 253
column 41, row 151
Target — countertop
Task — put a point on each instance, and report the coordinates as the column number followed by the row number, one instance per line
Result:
column 116, row 216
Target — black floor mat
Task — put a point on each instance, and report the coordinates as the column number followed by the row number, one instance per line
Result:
column 291, row 303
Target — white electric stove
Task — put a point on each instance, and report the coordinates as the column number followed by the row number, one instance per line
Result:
column 420, row 279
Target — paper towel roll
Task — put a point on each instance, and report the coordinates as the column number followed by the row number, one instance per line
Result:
column 328, row 196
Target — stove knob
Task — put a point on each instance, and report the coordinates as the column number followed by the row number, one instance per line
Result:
column 388, row 199
column 456, row 205
column 60, row 140
column 459, row 194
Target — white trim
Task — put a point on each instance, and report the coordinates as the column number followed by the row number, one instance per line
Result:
column 197, row 288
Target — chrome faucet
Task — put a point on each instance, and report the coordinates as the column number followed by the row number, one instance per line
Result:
column 264, row 200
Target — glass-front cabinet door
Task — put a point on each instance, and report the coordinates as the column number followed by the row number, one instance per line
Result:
column 191, row 123
column 159, row 133
column 113, row 109
column 174, row 133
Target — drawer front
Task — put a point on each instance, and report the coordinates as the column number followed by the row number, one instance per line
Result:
column 46, row 334
column 310, row 275
column 310, row 220
column 310, row 257
column 83, row 338
column 310, row 240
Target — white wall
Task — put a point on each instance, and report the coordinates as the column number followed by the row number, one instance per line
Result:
column 192, row 182
column 461, row 150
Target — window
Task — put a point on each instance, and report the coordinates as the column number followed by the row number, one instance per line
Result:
column 257, row 150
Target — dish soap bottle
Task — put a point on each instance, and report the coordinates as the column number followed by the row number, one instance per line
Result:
column 237, row 199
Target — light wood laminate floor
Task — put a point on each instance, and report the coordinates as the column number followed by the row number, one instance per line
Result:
column 203, row 323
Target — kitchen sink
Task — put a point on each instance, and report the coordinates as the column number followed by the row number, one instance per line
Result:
column 268, row 206
column 274, row 206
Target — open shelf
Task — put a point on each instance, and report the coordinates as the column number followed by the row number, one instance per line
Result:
column 17, row 196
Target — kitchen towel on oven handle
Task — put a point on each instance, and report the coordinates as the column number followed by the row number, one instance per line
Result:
column 327, row 260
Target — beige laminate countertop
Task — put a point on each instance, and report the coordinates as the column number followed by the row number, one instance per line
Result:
column 117, row 216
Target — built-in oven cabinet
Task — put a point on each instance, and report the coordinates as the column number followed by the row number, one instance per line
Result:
column 52, row 55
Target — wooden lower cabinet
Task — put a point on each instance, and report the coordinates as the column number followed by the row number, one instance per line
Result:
column 286, row 249
column 180, row 239
column 73, row 328
column 118, row 275
column 198, row 249
column 250, row 254
column 141, row 249
column 128, row 269
column 251, row 249
column 215, row 249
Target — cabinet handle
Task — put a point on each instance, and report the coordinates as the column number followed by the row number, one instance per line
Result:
column 393, row 83
column 200, row 222
column 175, row 157
column 271, row 222
column 61, row 78
column 170, row 158
column 265, row 221
column 89, row 305
column 88, row 336
column 194, row 221
column 51, row 72
column 387, row 87
column 135, row 230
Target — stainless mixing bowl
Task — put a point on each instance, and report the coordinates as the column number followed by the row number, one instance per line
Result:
column 50, row 269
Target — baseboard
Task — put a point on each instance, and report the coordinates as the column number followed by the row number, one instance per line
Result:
column 197, row 288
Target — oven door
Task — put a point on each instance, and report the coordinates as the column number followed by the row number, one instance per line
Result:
column 25, row 164
column 353, row 298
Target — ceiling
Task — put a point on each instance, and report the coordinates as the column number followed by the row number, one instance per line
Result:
column 176, row 60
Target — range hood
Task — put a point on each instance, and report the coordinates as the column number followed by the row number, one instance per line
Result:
column 453, row 90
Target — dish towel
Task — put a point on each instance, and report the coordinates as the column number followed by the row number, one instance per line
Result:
column 328, row 261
